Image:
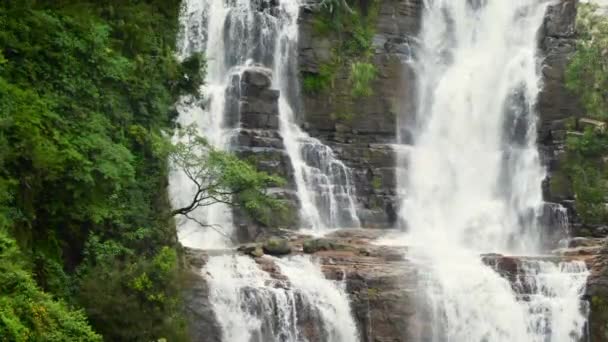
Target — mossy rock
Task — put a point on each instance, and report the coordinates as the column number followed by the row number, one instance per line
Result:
column 599, row 318
column 276, row 246
column 316, row 245
column 253, row 249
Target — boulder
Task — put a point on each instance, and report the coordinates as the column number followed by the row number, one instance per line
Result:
column 276, row 246
column 252, row 249
column 256, row 78
column 318, row 245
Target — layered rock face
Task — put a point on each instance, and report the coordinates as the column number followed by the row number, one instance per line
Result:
column 380, row 281
column 360, row 129
column 556, row 104
column 252, row 102
column 384, row 284
column 362, row 137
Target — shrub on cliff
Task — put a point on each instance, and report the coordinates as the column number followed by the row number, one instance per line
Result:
column 587, row 76
column 587, row 72
column 86, row 93
column 27, row 313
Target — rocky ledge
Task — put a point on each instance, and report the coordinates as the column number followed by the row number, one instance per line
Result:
column 383, row 283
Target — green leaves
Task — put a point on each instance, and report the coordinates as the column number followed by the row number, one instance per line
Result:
column 587, row 170
column 587, row 72
column 361, row 77
column 86, row 90
column 28, row 314
column 221, row 177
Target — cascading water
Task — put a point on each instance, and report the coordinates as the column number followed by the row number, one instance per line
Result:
column 252, row 306
column 249, row 303
column 474, row 177
column 229, row 36
column 233, row 36
column 324, row 184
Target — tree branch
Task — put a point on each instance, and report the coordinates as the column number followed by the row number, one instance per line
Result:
column 217, row 228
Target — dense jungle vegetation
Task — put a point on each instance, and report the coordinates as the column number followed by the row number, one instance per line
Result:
column 88, row 247
column 87, row 240
column 586, row 145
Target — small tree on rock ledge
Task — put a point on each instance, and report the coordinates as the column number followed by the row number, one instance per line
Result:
column 221, row 177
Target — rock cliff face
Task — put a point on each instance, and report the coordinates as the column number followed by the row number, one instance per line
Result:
column 381, row 281
column 361, row 139
column 556, row 104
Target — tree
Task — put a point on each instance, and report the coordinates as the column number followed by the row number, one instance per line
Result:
column 221, row 177
column 587, row 72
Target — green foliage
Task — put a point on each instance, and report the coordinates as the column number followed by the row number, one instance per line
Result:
column 130, row 299
column 587, row 72
column 344, row 117
column 193, row 69
column 361, row 77
column 377, row 182
column 352, row 24
column 86, row 93
column 587, row 76
column 321, row 81
column 27, row 313
column 588, row 174
column 222, row 177
column 599, row 318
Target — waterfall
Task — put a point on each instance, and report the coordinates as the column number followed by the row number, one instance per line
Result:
column 296, row 303
column 253, row 306
column 233, row 36
column 474, row 177
column 229, row 36
column 324, row 184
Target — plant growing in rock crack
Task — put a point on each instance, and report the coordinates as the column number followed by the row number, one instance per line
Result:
column 361, row 76
column 221, row 177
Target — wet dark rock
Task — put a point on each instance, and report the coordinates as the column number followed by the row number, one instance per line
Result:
column 372, row 120
column 252, row 249
column 276, row 246
column 256, row 78
column 203, row 325
column 317, row 245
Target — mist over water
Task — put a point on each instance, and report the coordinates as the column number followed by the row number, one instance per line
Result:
column 473, row 181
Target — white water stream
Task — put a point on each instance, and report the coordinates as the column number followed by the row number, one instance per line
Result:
column 234, row 35
column 250, row 305
column 474, row 177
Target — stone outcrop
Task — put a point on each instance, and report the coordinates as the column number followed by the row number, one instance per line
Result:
column 384, row 284
column 380, row 281
column 253, row 106
column 203, row 325
column 597, row 293
column 360, row 130
column 556, row 104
